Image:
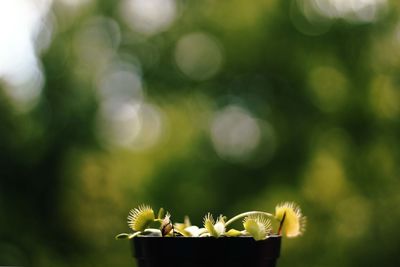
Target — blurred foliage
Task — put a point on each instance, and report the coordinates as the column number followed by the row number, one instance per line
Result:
column 198, row 106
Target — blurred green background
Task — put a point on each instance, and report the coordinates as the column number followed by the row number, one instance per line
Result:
column 197, row 106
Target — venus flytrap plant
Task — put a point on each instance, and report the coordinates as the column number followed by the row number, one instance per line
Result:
column 140, row 218
column 256, row 224
column 215, row 229
column 142, row 221
column 166, row 225
column 288, row 214
column 235, row 233
column 291, row 220
column 188, row 230
column 181, row 244
column 181, row 228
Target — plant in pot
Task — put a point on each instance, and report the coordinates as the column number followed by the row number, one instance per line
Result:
column 157, row 242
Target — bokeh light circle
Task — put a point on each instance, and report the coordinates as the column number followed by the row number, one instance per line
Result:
column 198, row 55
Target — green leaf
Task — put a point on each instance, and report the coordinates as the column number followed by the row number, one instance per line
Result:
column 292, row 221
column 161, row 213
column 253, row 229
column 214, row 229
column 233, row 233
column 122, row 236
column 152, row 232
column 257, row 226
column 140, row 218
column 209, row 225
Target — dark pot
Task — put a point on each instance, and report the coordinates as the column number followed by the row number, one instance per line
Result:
column 205, row 251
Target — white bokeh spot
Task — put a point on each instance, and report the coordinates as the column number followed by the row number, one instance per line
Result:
column 235, row 133
column 149, row 16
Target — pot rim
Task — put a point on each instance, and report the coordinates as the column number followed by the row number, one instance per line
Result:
column 207, row 237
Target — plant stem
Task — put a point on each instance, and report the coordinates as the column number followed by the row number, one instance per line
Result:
column 245, row 214
column 281, row 223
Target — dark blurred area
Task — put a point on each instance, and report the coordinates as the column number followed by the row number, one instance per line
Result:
column 197, row 106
